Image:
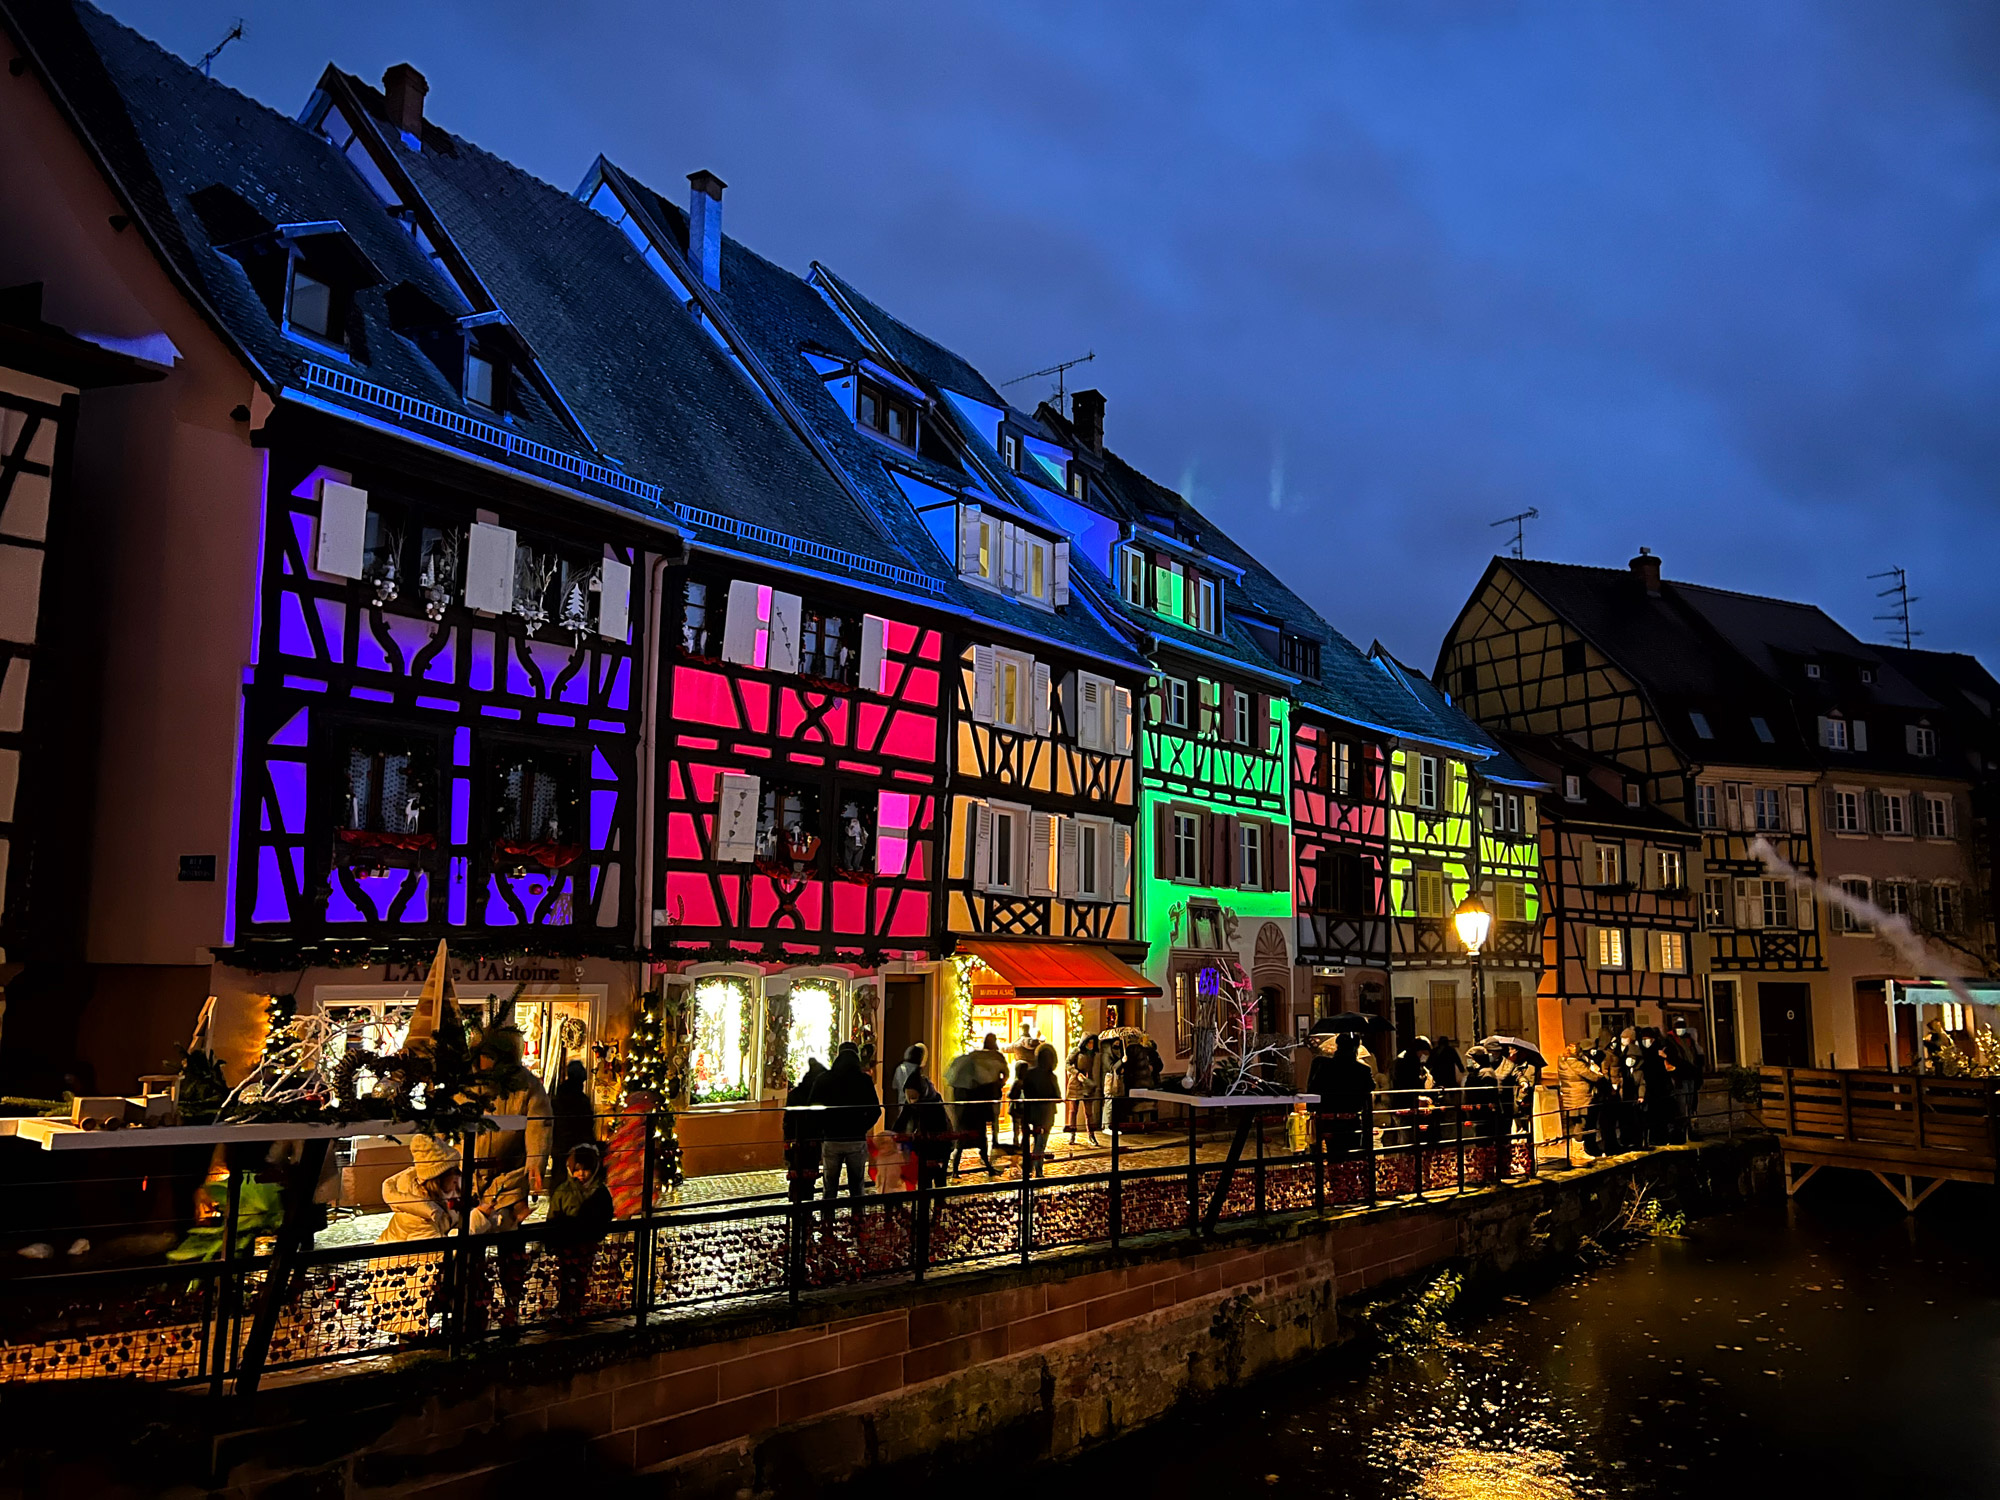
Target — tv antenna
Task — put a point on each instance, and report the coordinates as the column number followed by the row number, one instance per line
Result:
column 1518, row 522
column 234, row 34
column 1900, row 599
column 1055, row 370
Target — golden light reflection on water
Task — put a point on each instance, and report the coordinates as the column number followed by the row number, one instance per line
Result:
column 1487, row 1474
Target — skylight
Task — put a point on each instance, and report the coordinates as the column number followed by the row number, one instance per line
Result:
column 1763, row 730
column 1700, row 722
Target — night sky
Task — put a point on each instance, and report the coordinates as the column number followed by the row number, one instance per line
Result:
column 1718, row 279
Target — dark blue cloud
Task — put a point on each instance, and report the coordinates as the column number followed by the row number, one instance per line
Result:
column 1720, row 279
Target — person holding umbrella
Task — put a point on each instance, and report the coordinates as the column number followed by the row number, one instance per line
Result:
column 1345, row 1086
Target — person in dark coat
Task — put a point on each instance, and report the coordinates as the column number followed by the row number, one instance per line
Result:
column 1607, row 1102
column 1041, row 1094
column 1656, row 1085
column 571, row 1112
column 851, row 1109
column 1084, row 1072
column 580, row 1214
column 1447, row 1070
column 1688, row 1073
column 802, row 1134
column 1412, row 1070
column 923, row 1124
column 1345, row 1085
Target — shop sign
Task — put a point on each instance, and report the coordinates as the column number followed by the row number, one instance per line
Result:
column 477, row 971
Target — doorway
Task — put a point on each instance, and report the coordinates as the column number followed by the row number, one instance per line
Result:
column 1871, row 1028
column 903, row 1021
column 1784, row 1018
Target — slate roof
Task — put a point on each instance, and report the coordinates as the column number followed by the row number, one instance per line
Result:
column 1550, row 758
column 1495, row 762
column 1680, row 661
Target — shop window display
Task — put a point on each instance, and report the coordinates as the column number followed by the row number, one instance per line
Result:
column 720, row 1068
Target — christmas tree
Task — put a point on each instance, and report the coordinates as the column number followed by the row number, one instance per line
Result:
column 649, row 1070
column 281, row 1042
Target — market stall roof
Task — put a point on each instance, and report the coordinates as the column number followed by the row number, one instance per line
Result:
column 1943, row 991
column 1062, row 971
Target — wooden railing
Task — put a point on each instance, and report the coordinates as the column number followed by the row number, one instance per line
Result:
column 1906, row 1123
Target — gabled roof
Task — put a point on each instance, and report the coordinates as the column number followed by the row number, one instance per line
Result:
column 1551, row 757
column 1448, row 725
column 931, row 362
column 1678, row 659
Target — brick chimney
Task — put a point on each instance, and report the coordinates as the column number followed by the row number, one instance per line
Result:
column 403, row 91
column 705, row 226
column 1646, row 568
column 1086, row 415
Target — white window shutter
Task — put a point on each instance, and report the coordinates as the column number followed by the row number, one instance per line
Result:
column 489, row 569
column 1069, row 842
column 1749, row 904
column 983, row 661
column 1802, row 907
column 1121, row 862
column 1642, row 949
column 871, row 653
column 1088, row 720
column 614, row 599
column 1796, row 808
column 982, row 845
column 1732, row 804
column 1062, row 573
column 736, row 818
column 781, row 654
column 1041, row 835
column 968, row 539
column 1121, row 721
column 1857, row 734
column 343, row 530
column 1910, row 738
column 1038, row 684
column 1825, row 732
column 740, row 625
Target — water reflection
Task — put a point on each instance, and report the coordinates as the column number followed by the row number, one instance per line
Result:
column 1836, row 1349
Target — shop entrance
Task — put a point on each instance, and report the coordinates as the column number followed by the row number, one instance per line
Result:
column 903, row 1022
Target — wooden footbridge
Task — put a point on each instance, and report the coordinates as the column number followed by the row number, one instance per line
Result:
column 1899, row 1127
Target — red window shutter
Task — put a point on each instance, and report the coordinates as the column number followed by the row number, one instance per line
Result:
column 1221, row 850
column 1163, row 841
column 1280, row 877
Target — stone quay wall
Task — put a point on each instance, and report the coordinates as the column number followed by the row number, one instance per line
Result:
column 909, row 1383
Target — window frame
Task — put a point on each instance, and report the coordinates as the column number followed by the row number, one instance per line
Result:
column 1670, row 863
column 1427, row 782
column 1429, row 878
column 1603, row 855
column 1858, row 888
column 334, row 335
column 1184, row 828
column 1132, row 570
column 1174, row 702
column 1251, row 874
column 887, row 404
column 1895, row 810
column 1614, row 950
column 1938, row 818
column 1707, row 805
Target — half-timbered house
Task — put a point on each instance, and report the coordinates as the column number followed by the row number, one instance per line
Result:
column 1619, row 914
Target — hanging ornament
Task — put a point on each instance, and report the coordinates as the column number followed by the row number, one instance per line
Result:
column 576, row 612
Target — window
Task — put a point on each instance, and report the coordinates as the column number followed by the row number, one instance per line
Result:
column 1505, row 813
column 1204, row 924
column 313, row 307
column 1297, row 654
column 1832, row 733
column 482, row 382
column 1921, row 740
column 1510, row 1008
column 1038, row 581
column 720, row 1060
column 1340, row 768
column 1187, row 846
column 1895, row 807
column 1669, row 870
column 1346, row 884
column 1812, row 670
column 1761, row 729
column 854, row 837
column 1572, row 788
column 1183, row 987
column 1250, row 851
column 1012, row 558
column 1097, row 712
column 1427, row 781
column 1893, row 897
column 890, row 415
column 1132, row 576
column 1631, row 794
column 1945, row 906
column 1704, row 805
column 1607, row 864
column 1845, row 805
column 1510, row 901
column 1208, row 708
column 1701, row 729
column 1715, row 901
column 391, row 789
column 1010, row 451
column 1610, row 947
column 1849, row 919
column 1241, row 729
column 896, row 816
column 1169, row 586
column 1076, row 481
column 1205, row 613
column 1572, row 657
column 700, row 629
column 1937, row 817
column 788, row 824
column 1770, row 809
column 1867, row 675
column 1093, row 850
column 1673, row 953
column 1430, row 893
column 826, row 647
column 1777, row 902
column 537, row 802
column 1174, row 702
column 813, row 1026
column 1006, row 854
column 1013, row 690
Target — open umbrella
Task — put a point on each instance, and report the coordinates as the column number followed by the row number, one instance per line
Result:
column 1534, row 1052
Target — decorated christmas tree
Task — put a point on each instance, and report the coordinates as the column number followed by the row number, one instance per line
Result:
column 649, row 1075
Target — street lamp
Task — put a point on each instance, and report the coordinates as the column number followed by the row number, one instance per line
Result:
column 1474, row 922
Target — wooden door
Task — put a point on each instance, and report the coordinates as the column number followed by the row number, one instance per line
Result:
column 1784, row 1016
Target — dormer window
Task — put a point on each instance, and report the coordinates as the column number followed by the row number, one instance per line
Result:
column 1205, row 612
column 890, row 415
column 1132, row 576
column 1297, row 654
column 482, row 381
column 1572, row 788
column 1812, row 670
column 1012, row 558
column 1076, row 481
column 1010, row 451
column 313, row 307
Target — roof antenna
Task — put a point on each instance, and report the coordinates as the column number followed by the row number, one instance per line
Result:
column 1517, row 522
column 1055, row 370
column 207, row 63
column 1898, row 593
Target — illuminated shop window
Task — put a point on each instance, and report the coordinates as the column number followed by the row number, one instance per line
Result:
column 814, row 1028
column 725, row 1037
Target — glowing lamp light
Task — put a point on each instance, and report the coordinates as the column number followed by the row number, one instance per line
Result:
column 1473, row 922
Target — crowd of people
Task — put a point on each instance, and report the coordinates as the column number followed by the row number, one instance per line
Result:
column 1638, row 1088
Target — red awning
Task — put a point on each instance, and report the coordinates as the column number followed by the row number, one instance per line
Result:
column 1062, row 971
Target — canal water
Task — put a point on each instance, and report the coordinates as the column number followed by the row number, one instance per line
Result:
column 1830, row 1347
